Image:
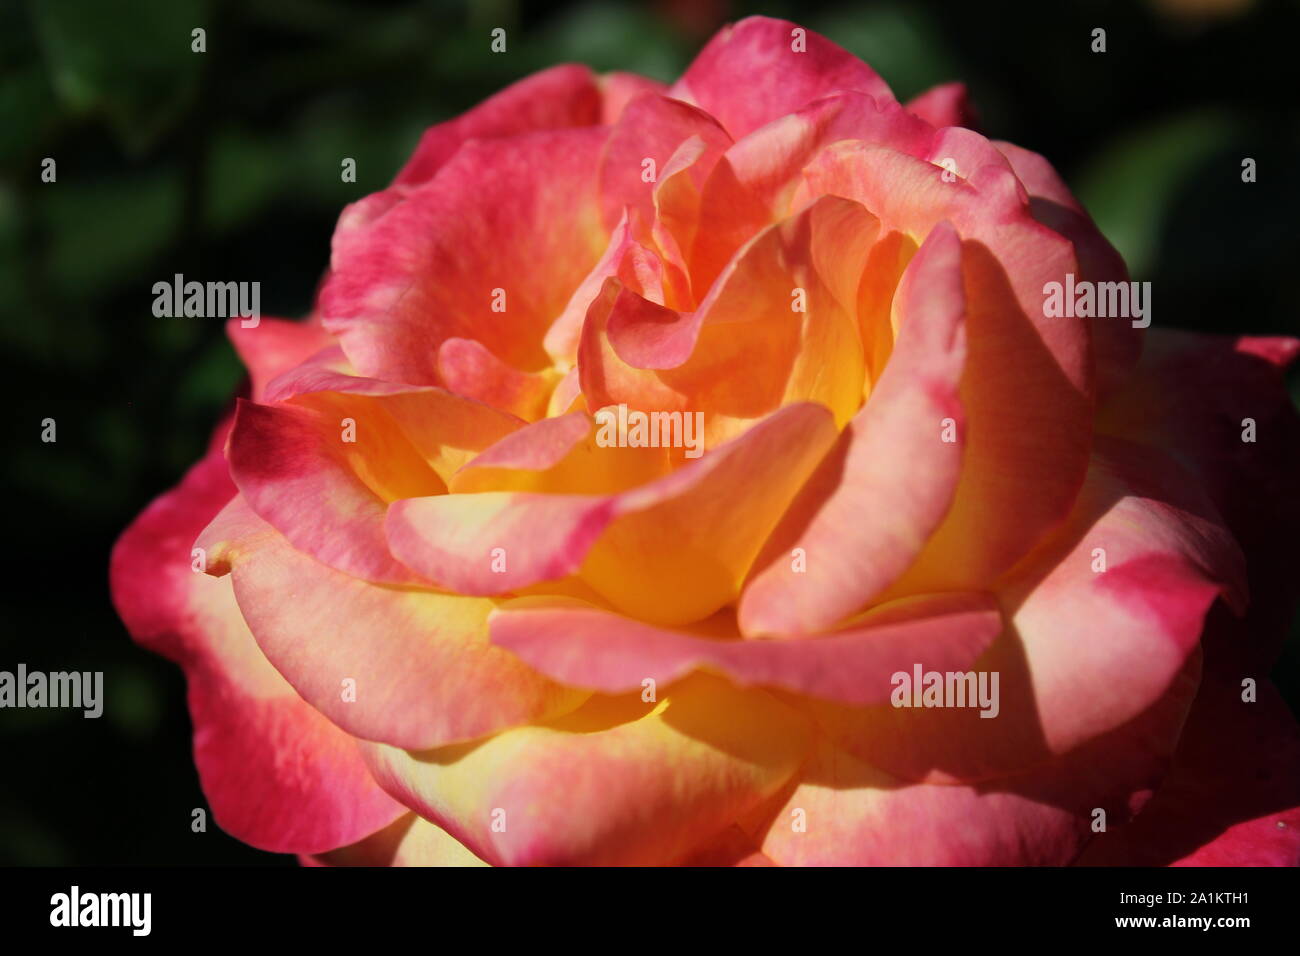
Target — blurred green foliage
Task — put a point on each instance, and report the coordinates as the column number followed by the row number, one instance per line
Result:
column 226, row 163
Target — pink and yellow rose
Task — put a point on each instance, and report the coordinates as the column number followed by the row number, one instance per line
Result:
column 444, row 621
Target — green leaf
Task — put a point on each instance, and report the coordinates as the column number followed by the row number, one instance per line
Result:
column 105, row 230
column 1130, row 185
column 132, row 64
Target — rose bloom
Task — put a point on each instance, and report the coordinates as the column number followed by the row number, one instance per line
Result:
column 445, row 619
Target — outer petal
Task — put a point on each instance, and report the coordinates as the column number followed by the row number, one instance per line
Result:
column 853, row 814
column 296, row 472
column 752, row 72
column 1100, row 645
column 424, row 673
column 849, row 560
column 945, row 105
column 617, row 782
column 409, row 841
column 274, row 345
column 277, row 774
column 557, row 98
column 1116, row 343
column 1239, row 760
column 1087, row 651
column 619, row 88
column 428, row 269
column 1192, row 395
column 1233, row 797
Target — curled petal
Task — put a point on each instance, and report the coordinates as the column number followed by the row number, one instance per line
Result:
column 1103, row 620
column 458, row 257
column 1028, row 434
column 651, row 128
column 469, row 369
column 626, row 259
column 849, row 560
column 620, row 781
column 296, row 472
column 276, row 773
column 561, row 97
column 754, row 181
column 274, row 345
column 758, row 69
column 1116, row 342
column 945, row 105
column 586, row 647
column 673, row 550
column 423, row 673
column 779, row 326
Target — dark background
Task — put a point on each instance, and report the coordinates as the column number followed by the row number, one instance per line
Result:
column 226, row 165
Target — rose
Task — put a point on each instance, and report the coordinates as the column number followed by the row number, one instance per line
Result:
column 445, row 619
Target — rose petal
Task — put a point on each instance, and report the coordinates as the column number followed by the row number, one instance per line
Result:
column 945, row 105
column 1027, row 434
column 296, row 472
column 471, row 370
column 673, row 550
column 848, row 560
column 424, row 672
column 1233, row 797
column 651, row 127
column 560, row 455
column 752, row 72
column 1086, row 652
column 276, row 773
column 779, row 326
column 557, row 98
column 459, row 257
column 586, row 647
column 1116, row 343
column 752, row 184
column 848, row 813
column 1192, row 395
column 444, row 429
column 617, row 782
column 636, row 267
column 619, row 88
column 274, row 345
column 732, row 848
column 408, row 841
